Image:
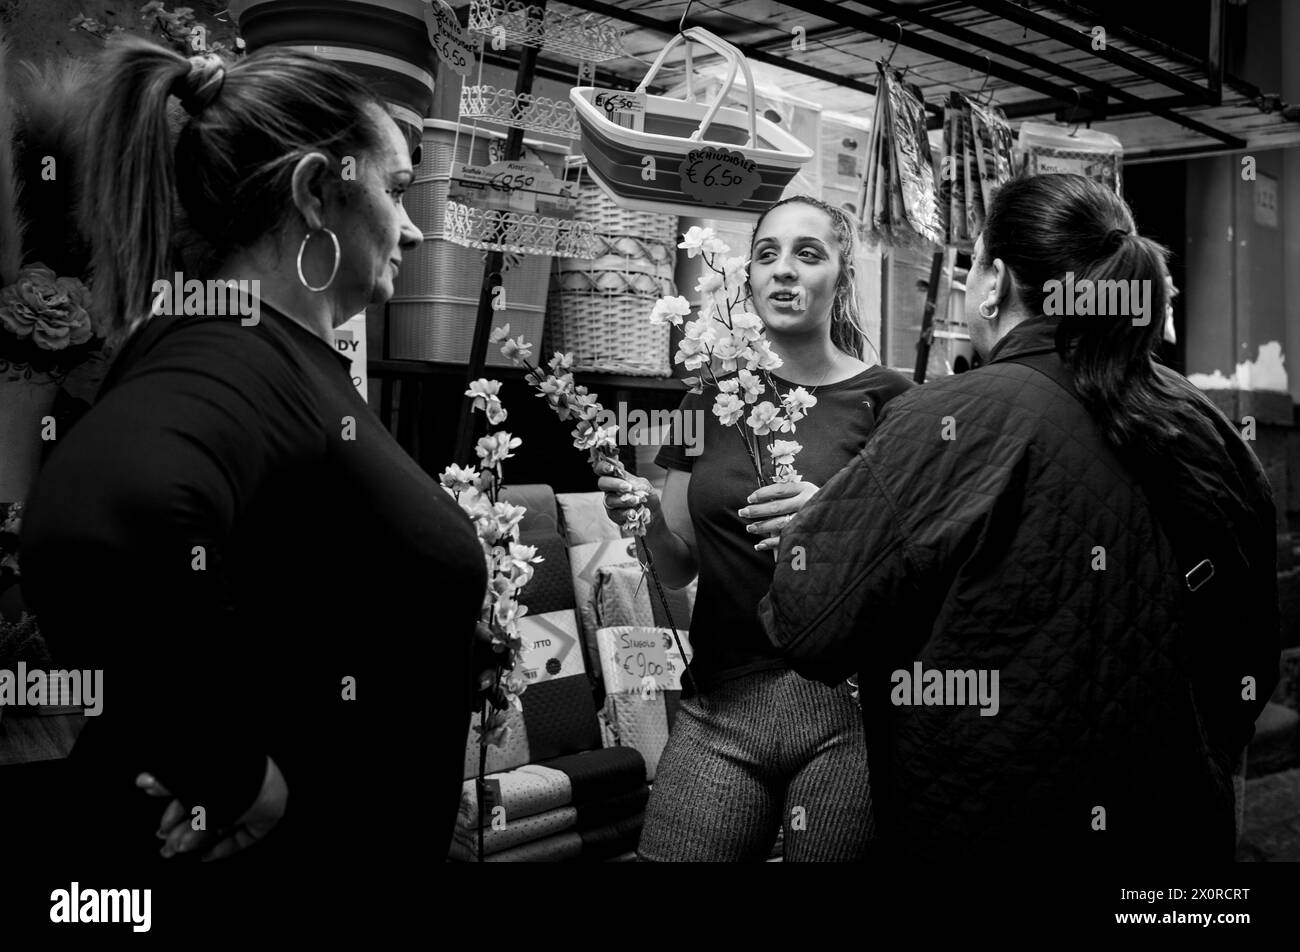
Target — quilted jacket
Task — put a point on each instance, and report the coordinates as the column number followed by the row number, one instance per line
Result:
column 988, row 526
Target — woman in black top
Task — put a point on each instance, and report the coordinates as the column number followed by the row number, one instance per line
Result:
column 761, row 746
column 281, row 600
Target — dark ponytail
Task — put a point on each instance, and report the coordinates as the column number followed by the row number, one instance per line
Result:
column 1048, row 227
column 244, row 127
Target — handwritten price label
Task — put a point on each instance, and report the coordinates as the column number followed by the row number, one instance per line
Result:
column 450, row 41
column 719, row 176
column 644, row 655
column 621, row 107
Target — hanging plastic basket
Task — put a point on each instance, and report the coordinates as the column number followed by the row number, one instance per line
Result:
column 689, row 157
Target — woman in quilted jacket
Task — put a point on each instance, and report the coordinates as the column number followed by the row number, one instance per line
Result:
column 1055, row 574
column 758, row 746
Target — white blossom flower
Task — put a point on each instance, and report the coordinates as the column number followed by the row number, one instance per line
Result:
column 560, row 362
column 499, row 334
column 766, row 418
column 709, row 282
column 459, row 478
column 751, row 383
column 736, row 270
column 747, row 326
column 797, row 403
column 783, row 452
column 696, row 344
column 516, row 349
column 495, row 448
column 508, row 518
column 670, row 310
column 767, row 358
column 588, row 436
column 485, row 396
column 699, row 239
column 637, row 520
column 728, row 408
column 726, row 350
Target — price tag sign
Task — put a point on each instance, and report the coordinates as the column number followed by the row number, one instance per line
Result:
column 715, row 176
column 517, row 186
column 642, row 654
column 621, row 107
column 450, row 41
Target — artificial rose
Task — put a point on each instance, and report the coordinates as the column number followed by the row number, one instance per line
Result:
column 48, row 309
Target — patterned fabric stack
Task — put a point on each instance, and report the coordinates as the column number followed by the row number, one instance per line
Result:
column 586, row 807
column 553, row 794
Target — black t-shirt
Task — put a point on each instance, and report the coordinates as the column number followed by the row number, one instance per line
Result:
column 230, row 533
column 726, row 636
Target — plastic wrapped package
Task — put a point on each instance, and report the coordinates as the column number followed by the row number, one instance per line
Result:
column 1055, row 147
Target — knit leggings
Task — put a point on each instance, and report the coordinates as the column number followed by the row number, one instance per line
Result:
column 752, row 754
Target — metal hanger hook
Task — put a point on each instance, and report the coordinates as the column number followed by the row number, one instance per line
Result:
column 1078, row 104
column 988, row 69
column 681, row 24
column 890, row 58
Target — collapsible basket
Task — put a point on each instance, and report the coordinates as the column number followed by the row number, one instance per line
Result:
column 674, row 128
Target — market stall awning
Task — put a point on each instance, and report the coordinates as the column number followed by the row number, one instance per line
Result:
column 1038, row 60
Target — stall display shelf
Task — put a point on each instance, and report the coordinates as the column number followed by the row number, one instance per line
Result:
column 585, row 37
column 490, row 229
column 523, row 111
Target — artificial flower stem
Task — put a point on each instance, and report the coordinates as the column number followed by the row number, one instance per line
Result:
column 482, row 773
column 648, row 562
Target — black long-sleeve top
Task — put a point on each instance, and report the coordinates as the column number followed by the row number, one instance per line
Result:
column 231, row 534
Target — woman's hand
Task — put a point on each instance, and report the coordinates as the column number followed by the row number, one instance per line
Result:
column 771, row 508
column 179, row 836
column 623, row 493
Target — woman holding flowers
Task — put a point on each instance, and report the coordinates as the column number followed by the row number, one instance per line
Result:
column 756, row 746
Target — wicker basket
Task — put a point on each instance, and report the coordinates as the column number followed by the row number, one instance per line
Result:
column 599, row 308
column 608, row 332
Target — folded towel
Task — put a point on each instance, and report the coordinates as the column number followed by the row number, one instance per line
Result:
column 560, row 848
column 600, row 774
column 525, row 791
column 515, row 832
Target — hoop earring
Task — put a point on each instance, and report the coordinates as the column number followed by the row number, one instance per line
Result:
column 337, row 256
column 986, row 316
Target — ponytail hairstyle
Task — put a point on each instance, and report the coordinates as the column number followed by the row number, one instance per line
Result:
column 846, row 321
column 231, row 167
column 1045, row 227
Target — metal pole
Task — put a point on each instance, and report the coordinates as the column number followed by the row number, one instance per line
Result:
column 927, row 317
column 464, row 452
